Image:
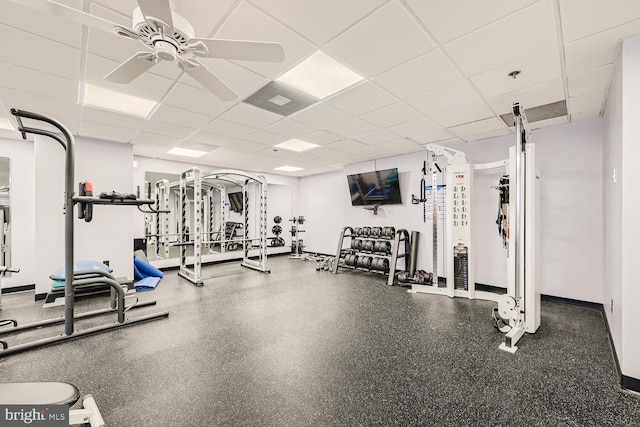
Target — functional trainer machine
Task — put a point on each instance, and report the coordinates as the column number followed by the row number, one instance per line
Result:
column 193, row 181
column 73, row 278
column 518, row 310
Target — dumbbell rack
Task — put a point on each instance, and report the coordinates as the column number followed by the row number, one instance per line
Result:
column 372, row 249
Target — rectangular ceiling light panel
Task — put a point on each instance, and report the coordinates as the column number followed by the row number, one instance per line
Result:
column 116, row 101
column 186, row 152
column 288, row 169
column 320, row 75
column 296, row 145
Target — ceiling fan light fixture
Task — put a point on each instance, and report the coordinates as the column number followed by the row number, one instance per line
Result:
column 321, row 76
column 107, row 99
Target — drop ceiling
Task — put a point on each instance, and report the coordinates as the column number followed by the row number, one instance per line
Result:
column 433, row 71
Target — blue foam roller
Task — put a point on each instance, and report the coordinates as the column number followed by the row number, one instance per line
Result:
column 144, row 269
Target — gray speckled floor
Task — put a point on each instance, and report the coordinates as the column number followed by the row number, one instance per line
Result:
column 299, row 347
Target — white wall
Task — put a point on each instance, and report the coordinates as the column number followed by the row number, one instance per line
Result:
column 568, row 159
column 22, row 210
column 109, row 236
column 630, row 352
column 612, row 207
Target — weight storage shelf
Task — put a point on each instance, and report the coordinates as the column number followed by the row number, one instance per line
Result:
column 372, row 249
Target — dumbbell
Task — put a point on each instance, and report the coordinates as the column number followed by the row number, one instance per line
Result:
column 357, row 231
column 356, row 244
column 368, row 245
column 366, row 231
column 376, row 231
column 388, row 232
column 382, row 246
column 365, row 262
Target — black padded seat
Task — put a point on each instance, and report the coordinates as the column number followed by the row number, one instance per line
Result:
column 38, row 393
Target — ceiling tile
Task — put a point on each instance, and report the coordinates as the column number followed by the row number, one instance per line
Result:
column 234, row 130
column 243, row 146
column 102, row 131
column 534, row 70
column 352, row 127
column 199, row 146
column 44, row 24
column 319, row 21
column 485, row 135
column 372, row 152
column 383, row 40
column 204, row 16
column 56, row 108
column 596, row 80
column 56, row 58
column 155, row 140
column 478, row 128
column 468, row 113
column 266, row 138
column 36, row 82
column 584, row 116
column 549, row 122
column 581, row 18
column 338, row 156
column 362, row 99
column 321, row 137
column 416, row 128
column 168, row 129
column 427, row 72
column 522, row 34
column 248, row 115
column 401, row 146
column 530, row 97
column 290, row 128
column 178, row 116
column 111, row 118
column 591, row 102
column 446, row 98
column 348, row 146
column 248, row 23
column 596, row 50
column 394, row 114
column 320, row 115
column 435, row 135
column 468, row 15
column 192, row 99
column 204, row 137
column 376, row 137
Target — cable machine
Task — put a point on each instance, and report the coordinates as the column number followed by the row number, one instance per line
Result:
column 518, row 310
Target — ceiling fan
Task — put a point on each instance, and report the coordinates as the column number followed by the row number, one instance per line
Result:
column 170, row 38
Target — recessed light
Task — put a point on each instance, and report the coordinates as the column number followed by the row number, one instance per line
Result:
column 6, row 124
column 288, row 169
column 178, row 151
column 116, row 101
column 296, row 145
column 320, row 75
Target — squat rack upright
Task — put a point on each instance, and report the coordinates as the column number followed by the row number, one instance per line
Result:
column 76, row 278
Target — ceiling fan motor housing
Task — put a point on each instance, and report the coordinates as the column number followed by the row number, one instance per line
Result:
column 167, row 42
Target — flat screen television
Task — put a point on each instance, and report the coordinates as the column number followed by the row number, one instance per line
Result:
column 235, row 202
column 375, row 188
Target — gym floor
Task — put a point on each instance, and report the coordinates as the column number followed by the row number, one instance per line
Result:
column 300, row 347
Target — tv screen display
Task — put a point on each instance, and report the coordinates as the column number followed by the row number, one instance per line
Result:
column 375, row 188
column 235, row 202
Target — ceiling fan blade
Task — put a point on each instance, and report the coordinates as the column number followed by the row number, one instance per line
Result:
column 69, row 13
column 157, row 10
column 240, row 49
column 206, row 78
column 132, row 68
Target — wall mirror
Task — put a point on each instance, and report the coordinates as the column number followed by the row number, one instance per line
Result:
column 5, row 210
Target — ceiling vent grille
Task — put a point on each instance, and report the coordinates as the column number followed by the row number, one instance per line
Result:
column 541, row 112
column 280, row 99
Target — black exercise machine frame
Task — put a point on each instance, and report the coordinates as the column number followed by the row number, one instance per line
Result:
column 67, row 142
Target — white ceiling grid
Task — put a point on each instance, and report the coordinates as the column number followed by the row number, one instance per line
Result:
column 433, row 71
